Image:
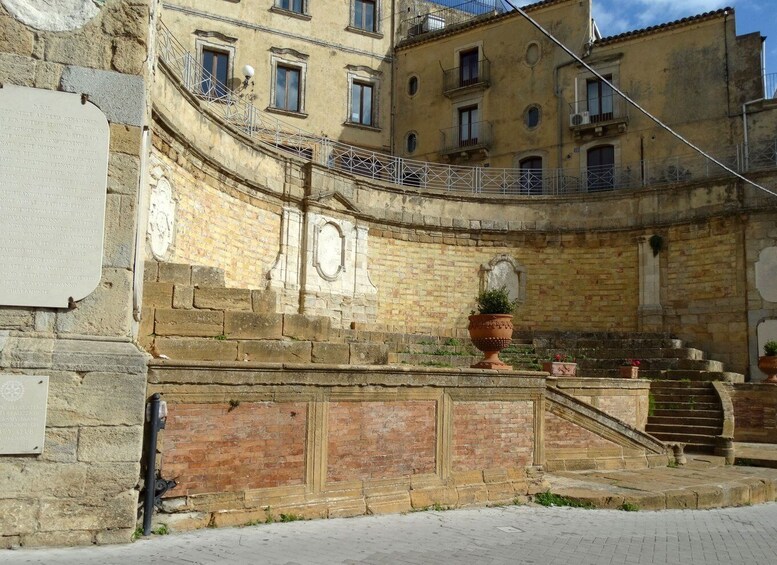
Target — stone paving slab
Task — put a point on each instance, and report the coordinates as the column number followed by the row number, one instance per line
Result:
column 705, row 482
column 510, row 534
column 759, row 454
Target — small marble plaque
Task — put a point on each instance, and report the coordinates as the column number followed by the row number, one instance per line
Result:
column 23, row 401
column 53, row 178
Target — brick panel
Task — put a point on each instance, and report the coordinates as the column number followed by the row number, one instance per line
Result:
column 562, row 434
column 492, row 434
column 755, row 412
column 622, row 407
column 210, row 448
column 377, row 440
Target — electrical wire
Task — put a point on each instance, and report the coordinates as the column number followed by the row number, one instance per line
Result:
column 661, row 124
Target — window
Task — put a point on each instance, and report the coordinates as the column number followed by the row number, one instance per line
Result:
column 412, row 85
column 296, row 6
column 599, row 99
column 531, row 175
column 364, row 15
column 287, row 88
column 532, row 117
column 468, row 67
column 600, row 174
column 361, row 103
column 411, row 143
column 468, row 126
column 215, row 66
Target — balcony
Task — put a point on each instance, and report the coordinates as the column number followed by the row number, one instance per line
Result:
column 462, row 142
column 599, row 116
column 451, row 16
column 465, row 79
column 770, row 86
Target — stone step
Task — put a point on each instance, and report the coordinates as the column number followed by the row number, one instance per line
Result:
column 443, row 349
column 687, row 438
column 269, row 351
column 684, row 420
column 655, row 428
column 427, row 360
column 682, row 413
column 652, row 364
column 723, row 376
column 640, row 353
column 635, row 342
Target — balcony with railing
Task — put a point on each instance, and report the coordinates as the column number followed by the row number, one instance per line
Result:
column 465, row 140
column 599, row 114
column 467, row 78
column 447, row 17
column 236, row 112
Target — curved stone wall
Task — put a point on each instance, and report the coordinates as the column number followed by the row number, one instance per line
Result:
column 586, row 261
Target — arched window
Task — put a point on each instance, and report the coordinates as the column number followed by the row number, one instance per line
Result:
column 600, row 172
column 531, row 175
column 412, row 85
column 411, row 143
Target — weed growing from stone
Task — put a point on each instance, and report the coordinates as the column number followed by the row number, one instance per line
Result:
column 291, row 517
column 137, row 534
column 161, row 530
column 452, row 342
column 220, row 337
column 550, row 499
column 629, row 507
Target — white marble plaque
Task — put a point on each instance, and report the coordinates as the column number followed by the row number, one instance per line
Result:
column 53, row 178
column 766, row 274
column 23, row 401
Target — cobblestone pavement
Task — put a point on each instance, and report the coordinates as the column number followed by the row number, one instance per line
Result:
column 512, row 534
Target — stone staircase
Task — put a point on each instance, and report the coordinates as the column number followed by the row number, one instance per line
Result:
column 687, row 412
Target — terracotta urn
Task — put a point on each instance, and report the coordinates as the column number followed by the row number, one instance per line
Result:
column 768, row 365
column 629, row 372
column 491, row 333
column 560, row 368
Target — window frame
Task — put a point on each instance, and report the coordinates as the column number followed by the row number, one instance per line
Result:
column 286, row 70
column 201, row 47
column 364, row 76
column 469, row 110
column 473, row 64
column 600, row 98
column 530, row 181
column 358, row 27
column 283, row 59
column 361, row 113
column 608, row 169
column 303, row 7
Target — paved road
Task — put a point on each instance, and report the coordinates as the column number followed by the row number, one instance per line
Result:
column 514, row 534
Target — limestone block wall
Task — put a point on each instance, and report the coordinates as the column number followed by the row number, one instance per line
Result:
column 83, row 487
column 586, row 259
column 248, row 441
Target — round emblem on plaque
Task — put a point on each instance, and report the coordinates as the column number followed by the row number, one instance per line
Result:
column 12, row 391
column 161, row 219
column 62, row 15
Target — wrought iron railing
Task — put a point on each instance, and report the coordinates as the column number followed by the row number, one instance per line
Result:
column 598, row 110
column 452, row 15
column 232, row 109
column 461, row 77
column 475, row 135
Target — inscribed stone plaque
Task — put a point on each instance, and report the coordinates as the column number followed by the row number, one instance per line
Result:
column 23, row 400
column 766, row 274
column 53, row 178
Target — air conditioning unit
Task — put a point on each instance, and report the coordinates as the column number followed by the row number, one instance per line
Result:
column 432, row 23
column 579, row 119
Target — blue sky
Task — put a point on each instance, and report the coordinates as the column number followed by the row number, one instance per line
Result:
column 617, row 16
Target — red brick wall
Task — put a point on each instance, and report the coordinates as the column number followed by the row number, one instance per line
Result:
column 561, row 434
column 210, row 448
column 376, row 440
column 755, row 412
column 492, row 434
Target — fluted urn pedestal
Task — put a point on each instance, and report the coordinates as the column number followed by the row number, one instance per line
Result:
column 491, row 333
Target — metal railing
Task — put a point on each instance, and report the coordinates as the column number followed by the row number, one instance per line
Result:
column 461, row 77
column 452, row 15
column 476, row 135
column 233, row 110
column 598, row 110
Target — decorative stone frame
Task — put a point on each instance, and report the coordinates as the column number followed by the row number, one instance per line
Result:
column 377, row 32
column 364, row 75
column 317, row 242
column 201, row 42
column 519, row 293
column 292, row 59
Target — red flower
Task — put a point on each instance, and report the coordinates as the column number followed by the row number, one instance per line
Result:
column 557, row 357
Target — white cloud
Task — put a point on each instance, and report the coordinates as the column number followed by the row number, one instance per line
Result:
column 617, row 16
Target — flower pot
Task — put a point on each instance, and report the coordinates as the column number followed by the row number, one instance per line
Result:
column 560, row 368
column 768, row 365
column 629, row 372
column 491, row 333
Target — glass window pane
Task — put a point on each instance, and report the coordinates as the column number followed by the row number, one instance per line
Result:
column 367, row 105
column 593, row 97
column 369, row 16
column 355, row 102
column 293, row 84
column 358, row 14
column 280, row 87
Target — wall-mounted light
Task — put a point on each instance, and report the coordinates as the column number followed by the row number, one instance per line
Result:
column 248, row 73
